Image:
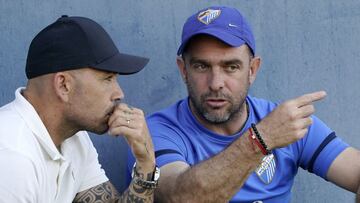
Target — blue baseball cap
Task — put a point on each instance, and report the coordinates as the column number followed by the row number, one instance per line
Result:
column 224, row 23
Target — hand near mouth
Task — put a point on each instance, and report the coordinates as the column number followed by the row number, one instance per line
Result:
column 130, row 122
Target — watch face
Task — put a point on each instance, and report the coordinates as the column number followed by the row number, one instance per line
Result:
column 156, row 174
column 133, row 170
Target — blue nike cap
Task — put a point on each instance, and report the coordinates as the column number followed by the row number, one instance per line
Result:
column 224, row 23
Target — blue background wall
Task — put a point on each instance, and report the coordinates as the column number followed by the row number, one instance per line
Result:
column 305, row 45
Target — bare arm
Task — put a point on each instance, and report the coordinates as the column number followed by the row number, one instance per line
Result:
column 106, row 193
column 214, row 180
column 130, row 123
column 220, row 177
column 345, row 170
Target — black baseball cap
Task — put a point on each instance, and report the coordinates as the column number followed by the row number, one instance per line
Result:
column 77, row 42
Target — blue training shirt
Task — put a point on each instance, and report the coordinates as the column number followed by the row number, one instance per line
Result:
column 178, row 136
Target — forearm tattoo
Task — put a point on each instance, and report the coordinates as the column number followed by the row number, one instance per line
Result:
column 100, row 193
column 106, row 193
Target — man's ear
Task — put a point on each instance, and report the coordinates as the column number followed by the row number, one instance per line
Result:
column 255, row 64
column 63, row 83
column 182, row 67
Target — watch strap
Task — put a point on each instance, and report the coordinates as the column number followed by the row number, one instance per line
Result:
column 147, row 184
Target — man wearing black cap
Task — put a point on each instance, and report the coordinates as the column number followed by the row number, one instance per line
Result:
column 45, row 154
column 221, row 144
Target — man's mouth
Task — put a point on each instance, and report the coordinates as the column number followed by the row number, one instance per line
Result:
column 110, row 111
column 216, row 103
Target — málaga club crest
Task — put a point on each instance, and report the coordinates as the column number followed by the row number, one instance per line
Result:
column 208, row 16
column 266, row 170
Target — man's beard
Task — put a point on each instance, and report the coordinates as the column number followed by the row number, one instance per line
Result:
column 210, row 115
column 102, row 126
column 98, row 126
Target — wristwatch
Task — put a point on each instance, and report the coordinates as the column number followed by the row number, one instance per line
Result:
column 147, row 184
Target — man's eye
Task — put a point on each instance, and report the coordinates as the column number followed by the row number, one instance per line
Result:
column 200, row 67
column 232, row 68
column 109, row 78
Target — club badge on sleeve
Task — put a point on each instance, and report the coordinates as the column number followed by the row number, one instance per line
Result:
column 266, row 170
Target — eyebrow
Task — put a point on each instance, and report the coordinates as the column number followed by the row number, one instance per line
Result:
column 232, row 61
column 222, row 62
column 197, row 60
column 107, row 74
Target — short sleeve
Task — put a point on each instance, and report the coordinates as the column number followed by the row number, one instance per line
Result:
column 169, row 144
column 93, row 173
column 320, row 148
column 18, row 177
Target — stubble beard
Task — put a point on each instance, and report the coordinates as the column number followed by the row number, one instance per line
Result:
column 102, row 126
column 80, row 116
column 97, row 125
column 211, row 115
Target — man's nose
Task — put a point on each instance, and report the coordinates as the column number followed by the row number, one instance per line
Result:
column 118, row 93
column 216, row 80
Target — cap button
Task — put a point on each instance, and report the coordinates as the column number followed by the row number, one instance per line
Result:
column 64, row 16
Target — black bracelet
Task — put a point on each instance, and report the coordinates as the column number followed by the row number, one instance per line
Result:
column 257, row 134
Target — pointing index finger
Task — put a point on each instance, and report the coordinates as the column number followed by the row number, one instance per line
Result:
column 310, row 98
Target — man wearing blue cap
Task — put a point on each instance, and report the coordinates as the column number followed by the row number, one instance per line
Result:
column 45, row 154
column 221, row 144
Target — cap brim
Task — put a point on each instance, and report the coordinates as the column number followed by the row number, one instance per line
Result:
column 123, row 64
column 219, row 34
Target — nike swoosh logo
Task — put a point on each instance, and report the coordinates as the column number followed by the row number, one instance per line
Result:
column 232, row 25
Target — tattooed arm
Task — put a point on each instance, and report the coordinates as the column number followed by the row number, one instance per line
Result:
column 106, row 193
column 130, row 123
